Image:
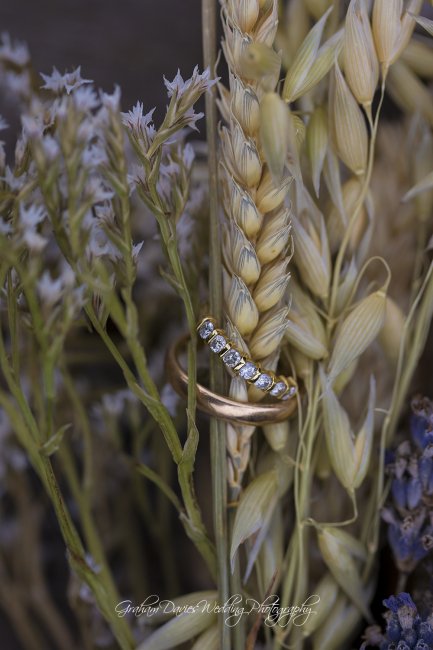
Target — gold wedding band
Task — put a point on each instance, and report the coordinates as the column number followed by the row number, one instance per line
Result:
column 220, row 406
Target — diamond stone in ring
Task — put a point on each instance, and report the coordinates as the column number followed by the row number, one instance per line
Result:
column 231, row 358
column 263, row 382
column 206, row 329
column 279, row 388
column 248, row 371
column 218, row 343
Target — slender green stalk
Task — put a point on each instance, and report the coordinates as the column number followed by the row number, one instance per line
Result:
column 217, row 427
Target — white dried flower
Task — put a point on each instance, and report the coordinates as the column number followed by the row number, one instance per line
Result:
column 15, row 53
column 49, row 290
column 68, row 82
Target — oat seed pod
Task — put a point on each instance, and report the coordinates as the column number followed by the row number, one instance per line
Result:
column 181, row 628
column 357, row 332
column 348, row 125
column 391, row 334
column 312, row 257
column 277, row 435
column 302, row 339
column 255, row 509
column 274, row 133
column 327, row 591
column 361, row 66
column 418, row 56
column 317, row 7
column 304, row 306
column 272, row 551
column 339, row 438
column 386, row 28
column 337, row 629
column 349, row 456
column 317, row 144
column 409, row 92
column 304, row 61
column 341, row 563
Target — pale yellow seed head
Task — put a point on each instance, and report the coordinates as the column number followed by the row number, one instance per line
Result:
column 327, row 592
column 247, row 12
column 357, row 332
column 272, row 285
column 277, row 435
column 303, row 365
column 409, row 92
column 360, row 60
column 391, row 334
column 303, row 61
column 270, row 330
column 317, row 144
column 274, row 133
column 244, row 258
column 301, row 338
column 386, row 28
column 241, row 307
column 258, row 60
column 245, row 106
column 246, row 156
column 312, row 258
column 418, row 56
column 342, row 566
column 243, row 209
column 348, row 125
column 270, row 196
column 274, row 236
column 317, row 7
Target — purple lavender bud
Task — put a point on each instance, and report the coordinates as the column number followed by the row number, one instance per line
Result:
column 406, row 616
column 414, row 493
column 422, row 645
column 421, row 430
column 401, row 548
column 430, row 485
column 425, row 469
column 389, row 457
column 402, row 645
column 410, row 636
column 398, row 490
column 426, row 632
column 393, row 629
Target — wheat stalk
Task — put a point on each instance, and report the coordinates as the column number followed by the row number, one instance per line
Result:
column 255, row 184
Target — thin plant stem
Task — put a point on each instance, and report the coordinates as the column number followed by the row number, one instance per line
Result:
column 217, row 428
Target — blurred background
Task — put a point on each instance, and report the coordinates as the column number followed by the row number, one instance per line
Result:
column 132, row 43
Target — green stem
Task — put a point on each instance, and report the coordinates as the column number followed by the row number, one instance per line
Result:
column 217, row 427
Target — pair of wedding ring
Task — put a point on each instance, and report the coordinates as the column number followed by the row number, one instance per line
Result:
column 255, row 414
